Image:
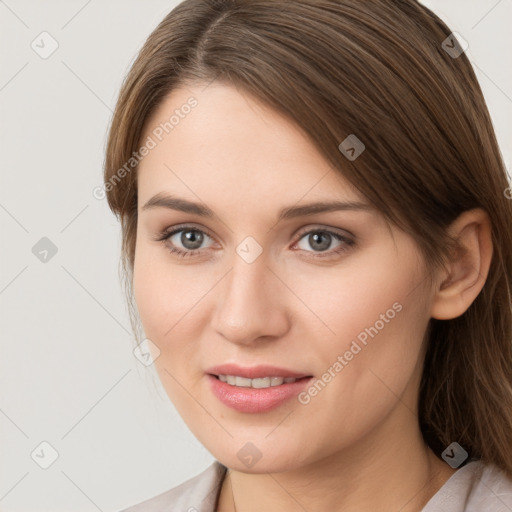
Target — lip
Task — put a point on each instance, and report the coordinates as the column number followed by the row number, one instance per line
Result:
column 254, row 372
column 255, row 400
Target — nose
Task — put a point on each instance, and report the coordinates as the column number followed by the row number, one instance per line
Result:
column 250, row 303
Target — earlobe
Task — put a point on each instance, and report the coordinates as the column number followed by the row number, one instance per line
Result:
column 464, row 276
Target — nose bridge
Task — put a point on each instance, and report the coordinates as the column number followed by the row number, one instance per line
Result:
column 247, row 303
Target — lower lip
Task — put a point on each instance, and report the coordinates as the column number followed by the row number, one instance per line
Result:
column 254, row 400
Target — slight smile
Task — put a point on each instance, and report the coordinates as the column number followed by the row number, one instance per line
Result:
column 255, row 389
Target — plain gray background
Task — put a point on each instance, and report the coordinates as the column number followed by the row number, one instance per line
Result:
column 68, row 376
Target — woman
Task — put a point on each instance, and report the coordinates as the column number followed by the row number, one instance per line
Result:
column 373, row 372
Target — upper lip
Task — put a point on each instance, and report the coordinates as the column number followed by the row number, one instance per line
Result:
column 254, row 372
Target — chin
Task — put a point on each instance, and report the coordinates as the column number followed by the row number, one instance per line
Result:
column 258, row 457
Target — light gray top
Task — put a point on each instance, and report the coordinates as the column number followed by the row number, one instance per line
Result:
column 474, row 487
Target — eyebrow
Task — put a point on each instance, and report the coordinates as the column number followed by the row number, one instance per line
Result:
column 183, row 205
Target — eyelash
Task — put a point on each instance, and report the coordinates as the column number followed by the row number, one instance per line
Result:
column 165, row 235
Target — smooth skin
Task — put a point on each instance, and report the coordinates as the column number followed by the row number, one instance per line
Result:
column 356, row 446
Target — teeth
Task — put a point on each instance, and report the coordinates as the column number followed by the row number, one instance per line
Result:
column 262, row 382
column 266, row 382
column 241, row 382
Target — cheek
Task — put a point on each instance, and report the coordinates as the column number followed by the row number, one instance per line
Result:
column 369, row 288
column 149, row 292
column 164, row 298
column 373, row 316
column 164, row 292
column 379, row 360
column 173, row 305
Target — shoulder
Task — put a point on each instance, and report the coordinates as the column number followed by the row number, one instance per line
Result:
column 473, row 488
column 198, row 494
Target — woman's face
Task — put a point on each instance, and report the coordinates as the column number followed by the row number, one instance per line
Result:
column 333, row 295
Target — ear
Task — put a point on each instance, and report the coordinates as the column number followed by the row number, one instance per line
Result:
column 461, row 280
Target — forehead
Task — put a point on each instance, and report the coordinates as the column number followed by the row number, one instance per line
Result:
column 215, row 139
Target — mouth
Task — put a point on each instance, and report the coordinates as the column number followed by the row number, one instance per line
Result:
column 256, row 389
column 259, row 382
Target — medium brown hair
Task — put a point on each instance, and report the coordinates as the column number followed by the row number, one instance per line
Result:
column 377, row 69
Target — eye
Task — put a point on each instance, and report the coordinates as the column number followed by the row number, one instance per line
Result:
column 321, row 240
column 190, row 239
column 187, row 241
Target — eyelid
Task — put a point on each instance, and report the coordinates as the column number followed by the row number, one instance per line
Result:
column 165, row 233
column 319, row 227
